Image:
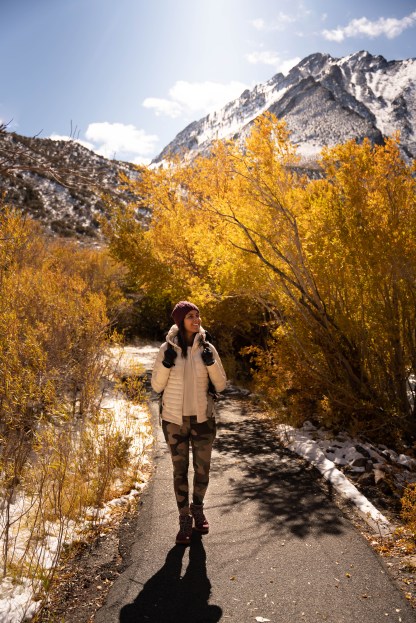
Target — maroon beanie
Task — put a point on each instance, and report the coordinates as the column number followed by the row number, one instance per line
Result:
column 181, row 309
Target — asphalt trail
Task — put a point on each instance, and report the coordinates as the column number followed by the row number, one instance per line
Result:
column 279, row 548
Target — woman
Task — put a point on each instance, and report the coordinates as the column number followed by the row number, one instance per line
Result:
column 185, row 364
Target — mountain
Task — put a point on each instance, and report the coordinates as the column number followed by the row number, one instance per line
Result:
column 324, row 101
column 60, row 183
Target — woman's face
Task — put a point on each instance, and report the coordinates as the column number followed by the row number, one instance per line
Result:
column 192, row 321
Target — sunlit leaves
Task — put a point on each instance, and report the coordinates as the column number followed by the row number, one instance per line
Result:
column 331, row 261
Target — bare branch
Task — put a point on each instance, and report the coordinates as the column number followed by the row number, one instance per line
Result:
column 18, row 154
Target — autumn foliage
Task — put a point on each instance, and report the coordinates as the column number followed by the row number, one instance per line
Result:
column 321, row 272
column 59, row 451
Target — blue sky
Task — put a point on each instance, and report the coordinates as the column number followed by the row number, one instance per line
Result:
column 127, row 75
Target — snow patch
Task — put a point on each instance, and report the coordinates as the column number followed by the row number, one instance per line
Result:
column 16, row 601
column 300, row 441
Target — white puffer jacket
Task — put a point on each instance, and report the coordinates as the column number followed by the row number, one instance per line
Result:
column 170, row 381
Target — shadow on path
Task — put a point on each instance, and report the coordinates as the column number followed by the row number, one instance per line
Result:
column 168, row 597
column 284, row 486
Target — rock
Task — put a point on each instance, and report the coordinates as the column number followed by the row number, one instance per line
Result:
column 342, row 436
column 369, row 466
column 359, row 462
column 407, row 461
column 390, row 455
column 376, row 456
column 362, row 451
column 256, row 398
column 379, row 475
column 339, row 461
column 235, row 390
column 308, row 426
column 382, row 482
column 355, row 470
column 367, row 479
column 409, row 564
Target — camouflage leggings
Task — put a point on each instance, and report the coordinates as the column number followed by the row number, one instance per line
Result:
column 201, row 436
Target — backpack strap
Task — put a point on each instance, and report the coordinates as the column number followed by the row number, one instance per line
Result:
column 211, row 387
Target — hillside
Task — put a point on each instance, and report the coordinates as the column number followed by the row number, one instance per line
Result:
column 60, row 183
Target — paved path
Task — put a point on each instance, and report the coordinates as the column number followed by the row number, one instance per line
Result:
column 279, row 549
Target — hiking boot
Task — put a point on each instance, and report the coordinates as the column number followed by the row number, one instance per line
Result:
column 185, row 530
column 201, row 522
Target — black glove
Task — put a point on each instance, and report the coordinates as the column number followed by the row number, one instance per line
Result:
column 169, row 358
column 207, row 356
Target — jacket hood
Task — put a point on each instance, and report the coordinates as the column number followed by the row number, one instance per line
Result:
column 171, row 337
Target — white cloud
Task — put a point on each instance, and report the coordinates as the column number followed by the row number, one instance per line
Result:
column 61, row 137
column 268, row 57
column 259, row 23
column 363, row 27
column 116, row 140
column 163, row 107
column 281, row 20
column 141, row 160
column 189, row 98
column 286, row 66
column 279, row 23
column 205, row 95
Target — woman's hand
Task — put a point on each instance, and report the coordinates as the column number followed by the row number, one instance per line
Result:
column 207, row 356
column 169, row 358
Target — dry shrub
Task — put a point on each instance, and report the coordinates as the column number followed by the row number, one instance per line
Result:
column 408, row 512
column 132, row 383
column 73, row 470
column 61, row 456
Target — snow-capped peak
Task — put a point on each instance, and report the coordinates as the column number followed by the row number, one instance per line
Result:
column 324, row 101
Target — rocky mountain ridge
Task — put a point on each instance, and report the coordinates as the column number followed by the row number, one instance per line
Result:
column 324, row 101
column 60, row 183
